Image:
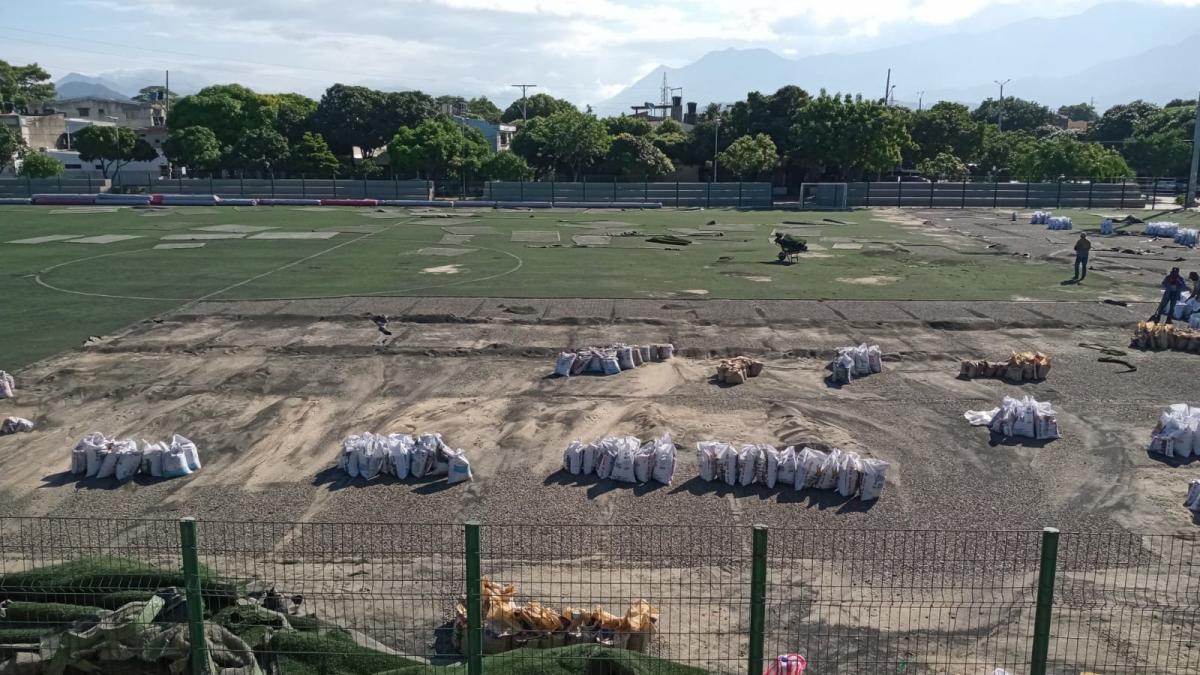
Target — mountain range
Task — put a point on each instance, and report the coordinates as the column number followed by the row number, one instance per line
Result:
column 1110, row 53
column 124, row 84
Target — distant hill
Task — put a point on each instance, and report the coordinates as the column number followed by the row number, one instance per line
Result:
column 82, row 89
column 1079, row 52
column 124, row 84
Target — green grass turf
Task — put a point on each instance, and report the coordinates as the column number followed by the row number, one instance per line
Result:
column 376, row 255
column 104, row 581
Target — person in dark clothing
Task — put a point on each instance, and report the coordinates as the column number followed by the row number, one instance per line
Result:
column 1083, row 248
column 1173, row 287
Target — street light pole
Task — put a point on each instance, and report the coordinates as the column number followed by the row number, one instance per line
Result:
column 716, row 129
column 1000, row 108
column 920, row 100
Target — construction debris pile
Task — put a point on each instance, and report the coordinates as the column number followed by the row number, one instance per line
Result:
column 761, row 464
column 738, row 369
column 100, row 456
column 369, row 456
column 1020, row 367
column 8, row 388
column 1153, row 335
column 507, row 625
column 623, row 458
column 852, row 362
column 1024, row 418
column 15, row 425
column 610, row 360
column 1177, row 434
column 1192, row 501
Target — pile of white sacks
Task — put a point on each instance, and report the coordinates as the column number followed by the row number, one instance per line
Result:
column 1177, row 433
column 1106, row 226
column 1039, row 218
column 1025, row 417
column 99, row 456
column 1187, row 236
column 15, row 425
column 852, row 362
column 8, row 387
column 610, row 360
column 1162, row 228
column 1058, row 223
column 370, row 455
column 623, row 458
column 846, row 472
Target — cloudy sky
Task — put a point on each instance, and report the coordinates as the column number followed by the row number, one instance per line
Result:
column 583, row 50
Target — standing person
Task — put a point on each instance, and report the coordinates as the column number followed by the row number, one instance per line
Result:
column 1194, row 294
column 1083, row 248
column 1173, row 286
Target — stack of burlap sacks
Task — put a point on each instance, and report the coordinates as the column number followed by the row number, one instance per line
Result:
column 610, row 360
column 507, row 625
column 1020, row 367
column 1153, row 335
column 738, row 369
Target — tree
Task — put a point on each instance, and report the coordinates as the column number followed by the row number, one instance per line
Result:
column 349, row 116
column 41, row 165
column 634, row 126
column 155, row 93
column 1000, row 150
column 194, row 147
column 1063, row 156
column 293, row 115
column 850, row 135
column 944, row 166
column 230, row 110
column 532, row 144
column 769, row 114
column 1079, row 112
column 565, row 139
column 1160, row 144
column 1116, row 124
column 670, row 137
column 636, row 158
column 404, row 109
column 261, row 150
column 749, row 156
column 538, row 105
column 437, row 148
column 312, row 155
column 946, row 128
column 484, row 109
column 113, row 147
column 1018, row 113
column 11, row 143
column 23, row 87
column 506, row 166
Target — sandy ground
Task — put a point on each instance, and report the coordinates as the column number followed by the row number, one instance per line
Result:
column 268, row 390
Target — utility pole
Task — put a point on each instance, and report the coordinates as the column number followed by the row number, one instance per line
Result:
column 716, row 131
column 1000, row 114
column 920, row 100
column 891, row 96
column 887, row 87
column 1190, row 199
column 524, row 111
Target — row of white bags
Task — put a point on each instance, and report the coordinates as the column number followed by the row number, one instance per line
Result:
column 1187, row 236
column 1039, row 217
column 846, row 472
column 1024, row 417
column 1058, row 223
column 8, row 388
column 610, row 360
column 624, row 458
column 852, row 362
column 99, row 456
column 15, row 425
column 1177, row 433
column 1160, row 229
column 1193, row 495
column 368, row 455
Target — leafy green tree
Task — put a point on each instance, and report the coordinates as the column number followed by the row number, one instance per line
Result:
column 1018, row 113
column 749, row 156
column 230, row 110
column 437, row 148
column 1079, row 112
column 194, row 147
column 506, row 166
column 24, row 87
column 1063, row 156
column 532, row 144
column 636, row 158
column 943, row 166
column 538, row 105
column 1160, row 144
column 293, row 115
column 484, row 109
column 769, row 114
column 1000, row 150
column 311, row 155
column 946, row 128
column 10, row 144
column 349, row 116
column 1117, row 123
column 566, row 139
column 404, row 109
column 41, row 165
column 113, row 147
column 627, row 124
column 261, row 150
column 155, row 93
column 850, row 135
column 670, row 137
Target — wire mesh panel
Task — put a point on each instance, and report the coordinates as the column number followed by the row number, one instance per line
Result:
column 673, row 599
column 870, row 601
column 331, row 597
column 59, row 575
column 1126, row 603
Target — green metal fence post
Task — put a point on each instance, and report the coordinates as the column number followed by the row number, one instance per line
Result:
column 1091, row 186
column 28, row 186
column 303, row 187
column 676, row 194
column 963, row 202
column 899, row 193
column 995, row 194
column 89, row 179
column 272, row 184
column 195, row 603
column 553, row 191
column 474, row 633
column 241, row 183
column 333, row 179
column 758, row 599
column 868, row 193
column 1123, row 180
column 60, row 184
column 585, row 187
column 1045, row 601
column 708, row 198
column 931, row 184
column 1059, row 198
column 739, row 194
column 1026, row 194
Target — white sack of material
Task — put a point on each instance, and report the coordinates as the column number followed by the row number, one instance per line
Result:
column 873, row 479
column 460, row 467
column 664, row 460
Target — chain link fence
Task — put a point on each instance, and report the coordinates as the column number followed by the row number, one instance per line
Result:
column 420, row 598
